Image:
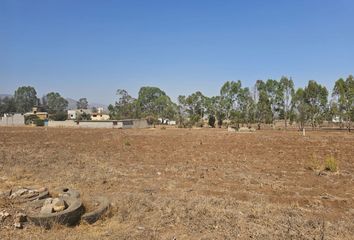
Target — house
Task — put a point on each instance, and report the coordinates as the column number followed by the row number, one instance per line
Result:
column 37, row 111
column 99, row 116
column 72, row 114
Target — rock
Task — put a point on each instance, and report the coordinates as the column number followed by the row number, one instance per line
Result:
column 21, row 217
column 246, row 129
column 18, row 225
column 4, row 215
column 58, row 204
column 43, row 189
column 230, row 129
column 47, row 206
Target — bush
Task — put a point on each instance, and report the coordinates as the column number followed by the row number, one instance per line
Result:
column 211, row 121
column 314, row 163
column 199, row 124
column 31, row 119
column 331, row 164
column 151, row 120
column 39, row 122
column 59, row 116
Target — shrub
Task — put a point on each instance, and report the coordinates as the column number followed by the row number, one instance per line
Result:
column 39, row 122
column 31, row 119
column 151, row 120
column 212, row 121
column 331, row 164
column 199, row 124
column 59, row 116
column 314, row 163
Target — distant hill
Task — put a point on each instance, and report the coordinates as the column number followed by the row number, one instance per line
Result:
column 72, row 104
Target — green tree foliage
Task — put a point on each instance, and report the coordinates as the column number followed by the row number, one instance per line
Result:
column 7, row 105
column 316, row 97
column 273, row 90
column 56, row 105
column 25, row 99
column 195, row 105
column 82, row 103
column 229, row 93
column 152, row 101
column 125, row 108
column 211, row 121
column 343, row 92
column 286, row 93
column 84, row 116
column 310, row 104
column 299, row 108
column 263, row 105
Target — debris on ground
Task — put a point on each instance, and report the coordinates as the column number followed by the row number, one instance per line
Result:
column 38, row 206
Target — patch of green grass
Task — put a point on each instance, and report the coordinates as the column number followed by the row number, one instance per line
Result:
column 331, row 164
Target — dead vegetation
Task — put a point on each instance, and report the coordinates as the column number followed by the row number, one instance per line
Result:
column 188, row 184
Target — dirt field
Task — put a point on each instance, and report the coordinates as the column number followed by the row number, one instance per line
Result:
column 188, row 184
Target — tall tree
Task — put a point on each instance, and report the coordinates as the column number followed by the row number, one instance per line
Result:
column 344, row 93
column 56, row 103
column 7, row 105
column 229, row 93
column 125, row 107
column 194, row 105
column 273, row 90
column 316, row 99
column 299, row 108
column 154, row 102
column 286, row 87
column 82, row 103
column 25, row 98
column 263, row 105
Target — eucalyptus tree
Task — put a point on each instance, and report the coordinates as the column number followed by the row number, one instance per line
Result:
column 152, row 101
column 263, row 105
column 343, row 91
column 125, row 107
column 25, row 98
column 229, row 93
column 286, row 93
column 316, row 98
column 82, row 103
column 195, row 105
column 56, row 105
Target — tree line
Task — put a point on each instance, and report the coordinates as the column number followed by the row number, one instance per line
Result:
column 25, row 98
column 264, row 103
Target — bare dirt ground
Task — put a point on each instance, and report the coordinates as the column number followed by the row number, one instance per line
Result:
column 188, row 184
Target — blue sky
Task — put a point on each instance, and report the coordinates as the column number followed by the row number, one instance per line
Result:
column 91, row 48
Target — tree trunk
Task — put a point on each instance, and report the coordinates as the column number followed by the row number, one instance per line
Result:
column 286, row 118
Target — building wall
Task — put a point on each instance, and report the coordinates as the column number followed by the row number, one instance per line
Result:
column 67, row 123
column 136, row 123
column 15, row 120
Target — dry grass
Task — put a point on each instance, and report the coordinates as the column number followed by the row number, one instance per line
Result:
column 187, row 184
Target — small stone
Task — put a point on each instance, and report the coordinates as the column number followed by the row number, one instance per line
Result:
column 42, row 189
column 4, row 215
column 58, row 205
column 47, row 206
column 18, row 225
column 21, row 217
